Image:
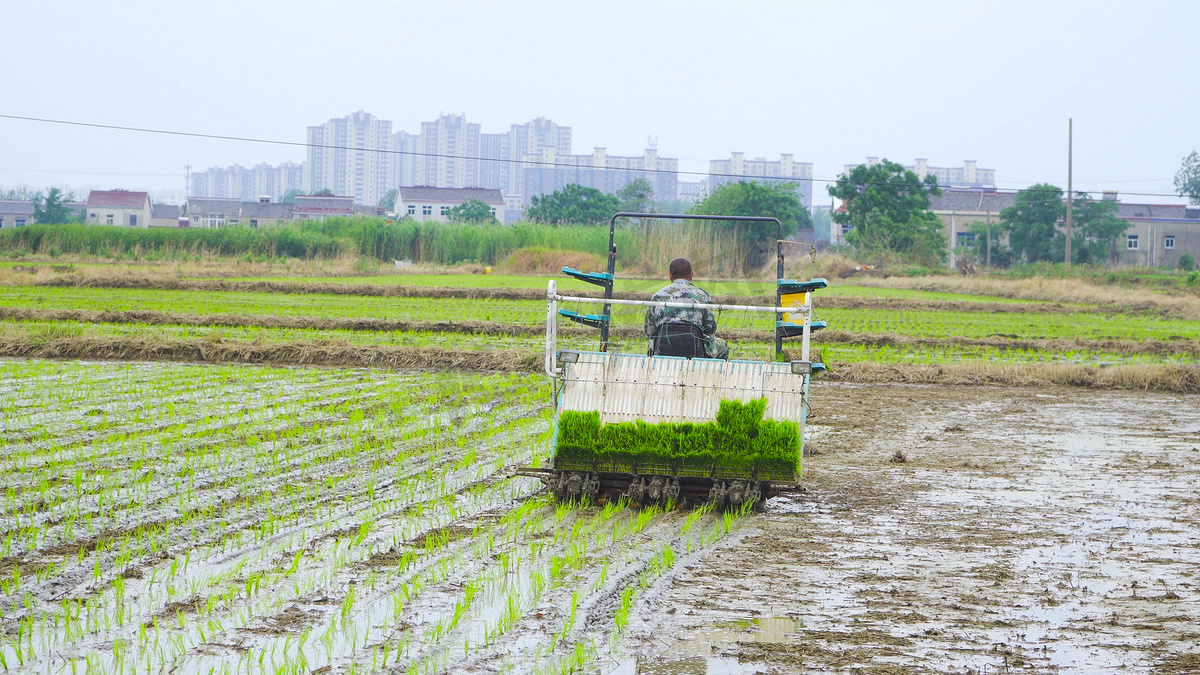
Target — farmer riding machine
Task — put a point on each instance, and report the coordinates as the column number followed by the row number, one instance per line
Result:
column 678, row 429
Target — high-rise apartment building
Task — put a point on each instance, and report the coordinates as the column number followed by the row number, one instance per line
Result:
column 405, row 147
column 522, row 140
column 237, row 182
column 968, row 175
column 759, row 170
column 451, row 153
column 351, row 157
column 549, row 171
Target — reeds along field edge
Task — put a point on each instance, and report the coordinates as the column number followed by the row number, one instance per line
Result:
column 640, row 246
column 739, row 438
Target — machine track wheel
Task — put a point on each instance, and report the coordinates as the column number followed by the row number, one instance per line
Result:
column 580, row 486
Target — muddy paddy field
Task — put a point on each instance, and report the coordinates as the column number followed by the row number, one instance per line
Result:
column 228, row 518
column 289, row 475
column 1047, row 530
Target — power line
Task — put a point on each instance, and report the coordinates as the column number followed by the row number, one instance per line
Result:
column 85, row 173
column 523, row 162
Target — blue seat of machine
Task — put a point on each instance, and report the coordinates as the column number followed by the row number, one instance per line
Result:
column 787, row 286
column 597, row 278
column 593, row 320
column 793, row 328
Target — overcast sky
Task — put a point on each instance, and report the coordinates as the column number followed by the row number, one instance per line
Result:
column 830, row 82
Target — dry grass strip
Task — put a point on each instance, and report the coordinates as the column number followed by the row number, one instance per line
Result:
column 1173, row 302
column 156, row 318
column 317, row 353
column 1058, row 345
column 1157, row 377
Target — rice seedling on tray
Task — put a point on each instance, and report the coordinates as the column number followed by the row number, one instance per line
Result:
column 739, row 438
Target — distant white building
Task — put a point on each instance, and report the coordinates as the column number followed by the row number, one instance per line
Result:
column 968, row 175
column 492, row 161
column 692, row 191
column 434, row 203
column 520, row 141
column 237, row 182
column 450, row 147
column 405, row 147
column 760, row 170
column 118, row 207
column 15, row 213
column 351, row 156
column 549, row 171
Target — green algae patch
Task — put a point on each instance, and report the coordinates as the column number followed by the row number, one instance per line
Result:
column 739, row 443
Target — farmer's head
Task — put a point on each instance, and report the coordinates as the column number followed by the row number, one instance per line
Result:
column 681, row 269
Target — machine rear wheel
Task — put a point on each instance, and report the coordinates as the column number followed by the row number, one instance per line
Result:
column 644, row 489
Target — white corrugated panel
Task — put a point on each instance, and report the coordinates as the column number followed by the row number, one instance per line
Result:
column 626, row 387
column 784, row 392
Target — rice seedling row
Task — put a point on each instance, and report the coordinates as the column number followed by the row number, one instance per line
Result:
column 844, row 287
column 532, row 312
column 273, row 304
column 831, row 352
column 384, row 534
column 413, row 488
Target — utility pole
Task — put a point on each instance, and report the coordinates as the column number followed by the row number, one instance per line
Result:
column 1070, row 191
column 989, row 237
column 187, row 181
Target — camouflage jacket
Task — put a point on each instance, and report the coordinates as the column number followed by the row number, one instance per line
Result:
column 680, row 290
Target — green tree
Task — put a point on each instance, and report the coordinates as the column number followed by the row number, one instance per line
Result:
column 323, row 192
column 1001, row 255
column 388, row 201
column 573, row 204
column 1034, row 235
column 1095, row 231
column 472, row 211
column 1187, row 179
column 1187, row 262
column 52, row 209
column 776, row 199
column 637, row 196
column 19, row 194
column 887, row 208
column 290, row 196
column 1031, row 224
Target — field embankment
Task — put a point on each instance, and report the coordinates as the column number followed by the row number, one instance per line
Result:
column 1183, row 305
column 483, row 329
column 832, row 301
column 340, row 353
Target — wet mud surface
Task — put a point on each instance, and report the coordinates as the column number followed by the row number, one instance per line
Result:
column 956, row 530
column 330, row 520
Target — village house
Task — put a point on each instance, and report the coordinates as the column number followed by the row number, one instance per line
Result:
column 203, row 212
column 432, row 203
column 122, row 208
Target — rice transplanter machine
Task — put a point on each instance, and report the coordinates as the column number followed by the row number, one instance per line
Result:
column 624, row 387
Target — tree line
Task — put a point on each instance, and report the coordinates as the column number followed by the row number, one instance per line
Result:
column 887, row 218
column 885, row 215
